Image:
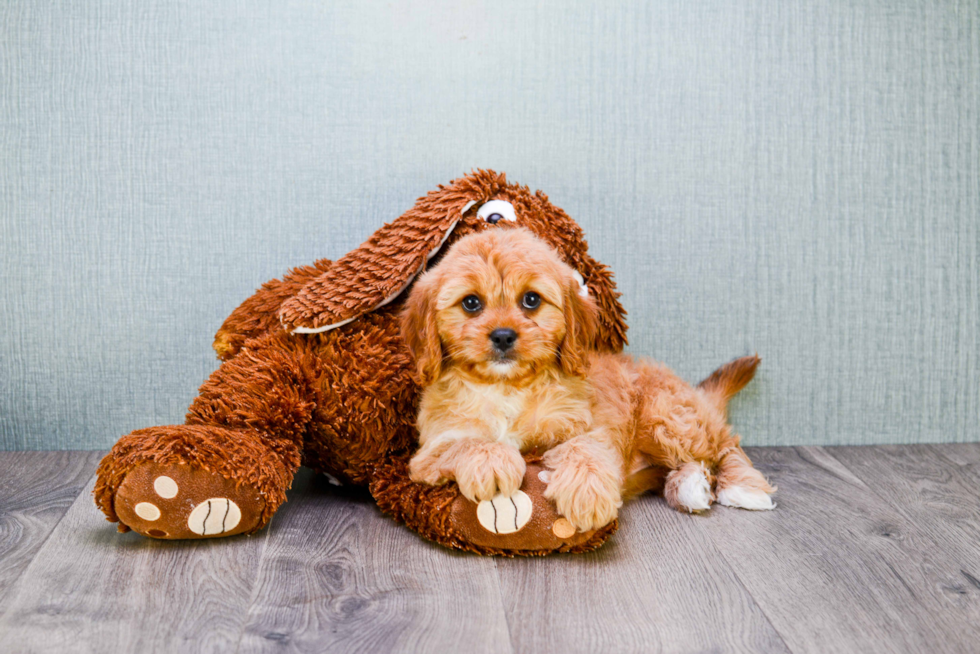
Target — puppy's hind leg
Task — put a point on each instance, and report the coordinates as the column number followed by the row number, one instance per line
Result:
column 688, row 488
column 742, row 486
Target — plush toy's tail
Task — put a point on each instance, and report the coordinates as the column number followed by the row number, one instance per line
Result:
column 722, row 385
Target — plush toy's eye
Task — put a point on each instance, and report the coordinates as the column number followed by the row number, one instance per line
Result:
column 496, row 210
column 471, row 304
column 531, row 300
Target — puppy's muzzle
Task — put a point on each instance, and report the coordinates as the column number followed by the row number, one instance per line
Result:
column 503, row 339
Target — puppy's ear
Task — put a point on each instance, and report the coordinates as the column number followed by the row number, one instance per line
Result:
column 420, row 331
column 580, row 330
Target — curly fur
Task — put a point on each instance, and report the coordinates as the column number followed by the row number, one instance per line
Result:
column 342, row 401
column 601, row 417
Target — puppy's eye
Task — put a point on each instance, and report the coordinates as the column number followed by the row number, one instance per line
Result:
column 531, row 300
column 471, row 304
column 496, row 210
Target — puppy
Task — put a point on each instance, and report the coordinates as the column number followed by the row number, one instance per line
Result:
column 501, row 333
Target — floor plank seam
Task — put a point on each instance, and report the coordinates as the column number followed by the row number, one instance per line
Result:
column 742, row 583
column 255, row 587
column 16, row 583
column 890, row 501
column 503, row 607
column 944, row 452
column 762, row 609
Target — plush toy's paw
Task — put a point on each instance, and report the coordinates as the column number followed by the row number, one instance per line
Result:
column 182, row 501
column 524, row 521
column 192, row 481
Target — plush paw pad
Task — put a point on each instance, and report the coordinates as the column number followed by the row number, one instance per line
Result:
column 165, row 487
column 523, row 521
column 562, row 528
column 181, row 501
column 147, row 511
column 217, row 515
column 505, row 514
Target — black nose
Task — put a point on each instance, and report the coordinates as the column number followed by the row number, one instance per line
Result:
column 503, row 338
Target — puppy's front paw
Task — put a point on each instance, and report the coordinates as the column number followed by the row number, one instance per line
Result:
column 585, row 488
column 484, row 468
column 424, row 468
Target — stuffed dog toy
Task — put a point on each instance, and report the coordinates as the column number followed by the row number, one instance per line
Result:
column 500, row 333
column 315, row 372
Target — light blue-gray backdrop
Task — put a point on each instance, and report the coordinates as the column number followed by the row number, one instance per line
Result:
column 800, row 180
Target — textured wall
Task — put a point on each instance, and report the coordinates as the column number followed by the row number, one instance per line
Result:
column 797, row 179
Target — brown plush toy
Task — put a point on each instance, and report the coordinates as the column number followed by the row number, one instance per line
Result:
column 315, row 372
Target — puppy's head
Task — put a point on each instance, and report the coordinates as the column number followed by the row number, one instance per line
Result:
column 502, row 305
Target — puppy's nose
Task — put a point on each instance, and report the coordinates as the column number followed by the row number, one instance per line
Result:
column 503, row 338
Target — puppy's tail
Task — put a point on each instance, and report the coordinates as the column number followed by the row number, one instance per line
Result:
column 722, row 385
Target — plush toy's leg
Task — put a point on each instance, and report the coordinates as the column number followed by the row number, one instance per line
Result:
column 226, row 471
column 524, row 524
column 191, row 481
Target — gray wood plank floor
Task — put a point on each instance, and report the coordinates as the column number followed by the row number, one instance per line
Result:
column 36, row 489
column 871, row 549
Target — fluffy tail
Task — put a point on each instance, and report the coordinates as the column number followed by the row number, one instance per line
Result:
column 724, row 383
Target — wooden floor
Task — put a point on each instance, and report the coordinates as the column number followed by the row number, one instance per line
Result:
column 870, row 550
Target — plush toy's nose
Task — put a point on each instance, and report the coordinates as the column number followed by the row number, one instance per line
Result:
column 503, row 338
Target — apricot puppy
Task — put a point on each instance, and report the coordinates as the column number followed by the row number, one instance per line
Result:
column 501, row 332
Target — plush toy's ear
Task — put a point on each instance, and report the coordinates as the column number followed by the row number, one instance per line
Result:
column 420, row 331
column 379, row 270
column 580, row 329
column 610, row 315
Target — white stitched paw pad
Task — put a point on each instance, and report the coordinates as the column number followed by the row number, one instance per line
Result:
column 214, row 516
column 503, row 514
